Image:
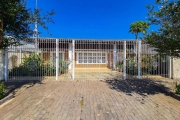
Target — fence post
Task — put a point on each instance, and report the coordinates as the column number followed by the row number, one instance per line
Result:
column 57, row 58
column 139, row 60
column 115, row 56
column 124, row 62
column 6, row 65
column 73, row 54
column 170, row 67
column 70, row 56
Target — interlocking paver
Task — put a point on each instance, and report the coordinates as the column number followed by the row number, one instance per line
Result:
column 89, row 100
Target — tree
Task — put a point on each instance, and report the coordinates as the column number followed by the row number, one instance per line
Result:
column 16, row 21
column 166, row 15
column 138, row 27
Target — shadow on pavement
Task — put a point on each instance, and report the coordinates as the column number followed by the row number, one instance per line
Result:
column 12, row 85
column 142, row 87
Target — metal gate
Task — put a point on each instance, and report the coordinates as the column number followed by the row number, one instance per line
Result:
column 77, row 59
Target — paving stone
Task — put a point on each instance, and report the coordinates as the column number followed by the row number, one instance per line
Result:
column 89, row 100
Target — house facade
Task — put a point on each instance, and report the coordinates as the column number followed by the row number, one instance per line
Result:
column 87, row 53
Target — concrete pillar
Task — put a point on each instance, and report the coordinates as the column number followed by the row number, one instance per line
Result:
column 57, row 58
column 114, row 56
column 176, row 68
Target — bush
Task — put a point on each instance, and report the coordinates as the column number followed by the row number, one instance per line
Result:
column 34, row 66
column 131, row 66
column 2, row 90
column 178, row 89
column 63, row 66
column 49, row 70
column 31, row 66
column 119, row 66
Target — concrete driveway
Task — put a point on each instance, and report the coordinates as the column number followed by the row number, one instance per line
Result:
column 91, row 100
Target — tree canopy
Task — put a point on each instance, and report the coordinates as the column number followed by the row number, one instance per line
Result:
column 166, row 15
column 138, row 27
column 16, row 20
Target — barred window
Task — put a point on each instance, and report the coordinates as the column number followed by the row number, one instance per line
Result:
column 91, row 58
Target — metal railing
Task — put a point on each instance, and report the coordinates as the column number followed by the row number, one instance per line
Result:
column 68, row 59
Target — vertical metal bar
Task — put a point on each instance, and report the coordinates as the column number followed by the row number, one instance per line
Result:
column 6, row 65
column 57, row 58
column 139, row 60
column 124, row 63
column 73, row 55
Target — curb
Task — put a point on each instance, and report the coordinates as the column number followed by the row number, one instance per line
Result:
column 7, row 98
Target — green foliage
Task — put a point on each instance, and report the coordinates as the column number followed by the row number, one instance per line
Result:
column 33, row 60
column 131, row 66
column 33, row 66
column 178, row 89
column 49, row 70
column 147, row 64
column 16, row 20
column 2, row 90
column 137, row 27
column 63, row 66
column 119, row 65
column 165, row 14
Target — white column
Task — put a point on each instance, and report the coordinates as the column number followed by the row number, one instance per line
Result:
column 170, row 67
column 124, row 62
column 57, row 58
column 139, row 60
column 73, row 57
column 70, row 56
column 115, row 56
column 6, row 65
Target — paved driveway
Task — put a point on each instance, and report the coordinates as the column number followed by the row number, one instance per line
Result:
column 91, row 100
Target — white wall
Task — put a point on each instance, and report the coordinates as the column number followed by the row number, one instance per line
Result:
column 1, row 64
column 176, row 68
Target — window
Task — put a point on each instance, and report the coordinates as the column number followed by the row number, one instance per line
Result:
column 91, row 58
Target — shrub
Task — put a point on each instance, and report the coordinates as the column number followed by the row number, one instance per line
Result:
column 178, row 89
column 31, row 66
column 63, row 66
column 131, row 66
column 49, row 70
column 2, row 90
column 34, row 66
column 119, row 66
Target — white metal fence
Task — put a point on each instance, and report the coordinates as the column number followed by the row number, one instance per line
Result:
column 68, row 59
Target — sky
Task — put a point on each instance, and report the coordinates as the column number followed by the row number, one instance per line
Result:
column 92, row 19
